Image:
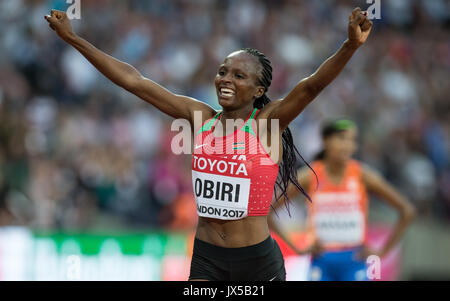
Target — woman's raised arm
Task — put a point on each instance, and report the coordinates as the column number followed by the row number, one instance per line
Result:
column 126, row 76
column 306, row 90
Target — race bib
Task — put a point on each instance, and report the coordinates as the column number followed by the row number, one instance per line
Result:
column 220, row 197
column 340, row 227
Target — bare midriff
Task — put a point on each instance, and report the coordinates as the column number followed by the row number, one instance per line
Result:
column 234, row 233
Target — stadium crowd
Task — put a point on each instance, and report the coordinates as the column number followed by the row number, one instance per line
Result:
column 77, row 152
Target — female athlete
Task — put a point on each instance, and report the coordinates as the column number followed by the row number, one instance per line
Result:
column 233, row 193
column 337, row 215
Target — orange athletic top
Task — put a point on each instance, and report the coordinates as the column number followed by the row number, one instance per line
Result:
column 338, row 212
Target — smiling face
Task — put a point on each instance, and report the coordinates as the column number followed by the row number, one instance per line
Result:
column 237, row 82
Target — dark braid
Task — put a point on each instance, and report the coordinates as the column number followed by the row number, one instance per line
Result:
column 288, row 171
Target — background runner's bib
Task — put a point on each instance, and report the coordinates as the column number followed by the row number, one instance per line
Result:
column 340, row 227
column 232, row 176
column 338, row 212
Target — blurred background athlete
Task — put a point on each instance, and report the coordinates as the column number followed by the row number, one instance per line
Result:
column 338, row 213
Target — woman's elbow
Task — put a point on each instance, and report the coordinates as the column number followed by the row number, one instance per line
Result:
column 409, row 212
column 132, row 84
column 312, row 89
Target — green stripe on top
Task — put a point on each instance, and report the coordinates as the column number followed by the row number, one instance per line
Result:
column 343, row 124
column 208, row 125
column 248, row 125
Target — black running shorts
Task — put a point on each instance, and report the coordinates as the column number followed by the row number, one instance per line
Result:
column 260, row 262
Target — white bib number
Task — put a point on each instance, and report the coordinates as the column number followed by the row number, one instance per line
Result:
column 340, row 227
column 220, row 197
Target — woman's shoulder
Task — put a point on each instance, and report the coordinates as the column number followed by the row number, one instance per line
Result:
column 264, row 112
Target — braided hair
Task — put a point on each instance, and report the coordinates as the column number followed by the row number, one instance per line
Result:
column 288, row 171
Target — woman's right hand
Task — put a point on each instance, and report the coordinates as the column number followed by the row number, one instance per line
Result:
column 59, row 22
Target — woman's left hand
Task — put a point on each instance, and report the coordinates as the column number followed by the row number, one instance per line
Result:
column 359, row 27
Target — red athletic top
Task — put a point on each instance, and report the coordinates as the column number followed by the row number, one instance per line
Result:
column 232, row 176
column 338, row 212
